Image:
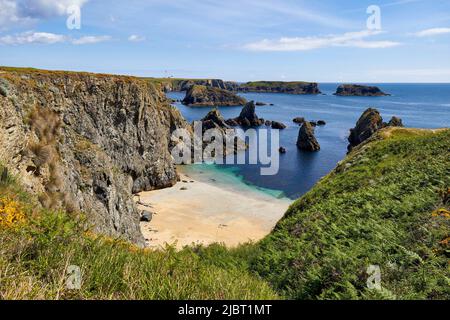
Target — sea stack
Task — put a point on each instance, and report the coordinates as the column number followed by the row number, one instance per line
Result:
column 306, row 140
column 358, row 90
column 368, row 124
column 248, row 117
column 202, row 96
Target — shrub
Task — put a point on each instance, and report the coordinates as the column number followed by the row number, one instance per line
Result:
column 4, row 87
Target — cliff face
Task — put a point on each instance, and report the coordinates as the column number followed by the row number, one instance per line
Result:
column 87, row 142
column 281, row 87
column 209, row 96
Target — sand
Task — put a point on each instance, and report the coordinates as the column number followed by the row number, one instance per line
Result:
column 206, row 213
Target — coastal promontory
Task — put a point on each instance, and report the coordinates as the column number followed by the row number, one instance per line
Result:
column 359, row 90
column 201, row 96
column 296, row 87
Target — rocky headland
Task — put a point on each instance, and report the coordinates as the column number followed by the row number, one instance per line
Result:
column 296, row 87
column 87, row 142
column 202, row 96
column 359, row 90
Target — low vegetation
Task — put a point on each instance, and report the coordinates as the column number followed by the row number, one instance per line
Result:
column 387, row 204
column 37, row 246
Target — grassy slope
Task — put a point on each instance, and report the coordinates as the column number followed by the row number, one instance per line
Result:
column 376, row 209
column 35, row 254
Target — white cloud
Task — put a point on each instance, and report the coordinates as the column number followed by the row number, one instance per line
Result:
column 46, row 8
column 32, row 37
column 91, row 40
column 432, row 32
column 14, row 12
column 349, row 39
column 136, row 38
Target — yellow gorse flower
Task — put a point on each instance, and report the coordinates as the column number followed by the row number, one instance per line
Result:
column 11, row 212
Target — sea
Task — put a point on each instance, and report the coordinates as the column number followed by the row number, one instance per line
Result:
column 418, row 105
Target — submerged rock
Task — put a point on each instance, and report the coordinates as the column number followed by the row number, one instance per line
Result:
column 209, row 96
column 306, row 140
column 321, row 123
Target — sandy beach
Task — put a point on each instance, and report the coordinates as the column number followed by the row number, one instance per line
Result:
column 197, row 212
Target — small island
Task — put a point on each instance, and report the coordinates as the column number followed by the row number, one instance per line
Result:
column 203, row 96
column 359, row 90
column 297, row 87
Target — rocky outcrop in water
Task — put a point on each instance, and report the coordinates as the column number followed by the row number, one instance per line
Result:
column 248, row 117
column 200, row 96
column 87, row 142
column 297, row 87
column 214, row 120
column 306, row 139
column 278, row 125
column 368, row 124
column 358, row 90
column 395, row 122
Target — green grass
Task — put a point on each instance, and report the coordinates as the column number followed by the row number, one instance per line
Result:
column 375, row 209
column 379, row 207
column 34, row 258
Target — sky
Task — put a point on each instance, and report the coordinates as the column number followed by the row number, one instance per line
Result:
column 240, row 40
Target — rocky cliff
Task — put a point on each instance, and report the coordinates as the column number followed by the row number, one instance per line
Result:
column 208, row 96
column 358, row 90
column 87, row 142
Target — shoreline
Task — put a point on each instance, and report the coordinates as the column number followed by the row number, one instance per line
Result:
column 195, row 212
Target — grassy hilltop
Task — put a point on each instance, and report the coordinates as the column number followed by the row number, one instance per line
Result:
column 386, row 204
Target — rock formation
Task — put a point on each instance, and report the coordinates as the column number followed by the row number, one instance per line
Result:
column 306, row 140
column 281, row 87
column 248, row 117
column 209, row 96
column 358, row 90
column 186, row 84
column 214, row 120
column 395, row 122
column 278, row 125
column 299, row 120
column 368, row 124
column 88, row 142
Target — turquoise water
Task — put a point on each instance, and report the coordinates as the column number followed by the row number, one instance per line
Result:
column 419, row 105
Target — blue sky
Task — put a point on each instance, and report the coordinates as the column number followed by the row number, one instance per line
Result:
column 324, row 41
